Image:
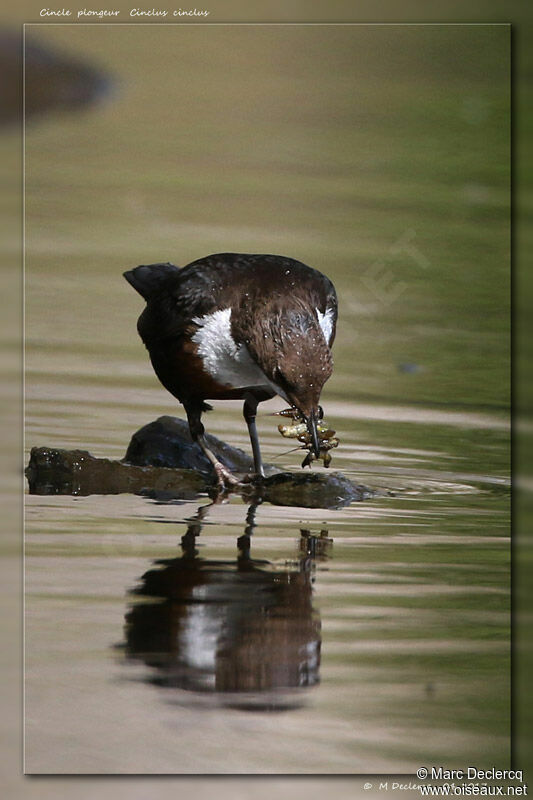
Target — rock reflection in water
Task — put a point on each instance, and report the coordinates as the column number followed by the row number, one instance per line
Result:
column 244, row 631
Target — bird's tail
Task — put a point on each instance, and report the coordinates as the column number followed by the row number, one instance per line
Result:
column 149, row 279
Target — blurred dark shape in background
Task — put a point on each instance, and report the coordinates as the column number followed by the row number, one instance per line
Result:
column 53, row 80
column 409, row 367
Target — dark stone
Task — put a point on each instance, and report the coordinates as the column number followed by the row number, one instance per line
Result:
column 162, row 462
column 77, row 472
column 167, row 442
column 312, row 490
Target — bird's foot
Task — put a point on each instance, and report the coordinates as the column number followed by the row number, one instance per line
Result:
column 225, row 479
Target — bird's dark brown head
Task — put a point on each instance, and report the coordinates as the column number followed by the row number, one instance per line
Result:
column 293, row 353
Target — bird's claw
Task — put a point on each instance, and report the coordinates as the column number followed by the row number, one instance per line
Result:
column 225, row 479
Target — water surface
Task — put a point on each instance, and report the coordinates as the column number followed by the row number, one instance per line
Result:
column 278, row 640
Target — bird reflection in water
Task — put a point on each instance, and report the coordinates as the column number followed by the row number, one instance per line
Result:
column 242, row 632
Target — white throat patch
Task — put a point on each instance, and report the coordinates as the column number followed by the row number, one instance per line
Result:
column 326, row 323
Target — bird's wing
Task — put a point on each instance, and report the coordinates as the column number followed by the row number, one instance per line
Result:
column 164, row 316
column 174, row 297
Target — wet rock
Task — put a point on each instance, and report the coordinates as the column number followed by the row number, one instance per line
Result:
column 162, row 462
column 166, row 442
column 77, row 472
column 312, row 490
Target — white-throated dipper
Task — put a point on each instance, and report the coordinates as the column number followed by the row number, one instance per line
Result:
column 236, row 326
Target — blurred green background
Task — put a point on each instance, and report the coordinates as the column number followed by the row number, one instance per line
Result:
column 378, row 154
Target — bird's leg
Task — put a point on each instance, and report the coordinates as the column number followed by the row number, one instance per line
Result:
column 223, row 474
column 249, row 412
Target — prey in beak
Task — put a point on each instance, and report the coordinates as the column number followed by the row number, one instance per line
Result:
column 313, row 433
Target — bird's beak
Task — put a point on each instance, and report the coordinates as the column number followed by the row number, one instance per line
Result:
column 311, row 422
